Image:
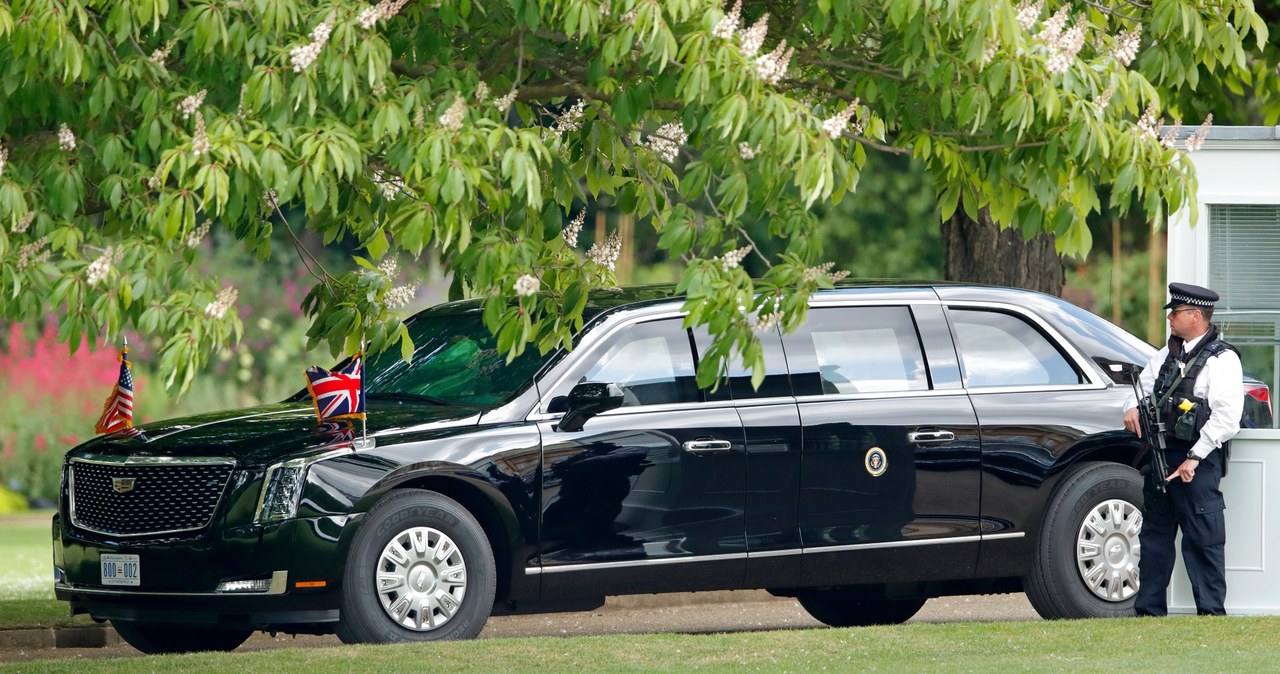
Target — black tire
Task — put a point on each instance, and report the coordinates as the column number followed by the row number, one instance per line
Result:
column 1089, row 572
column 154, row 638
column 447, row 563
column 850, row 607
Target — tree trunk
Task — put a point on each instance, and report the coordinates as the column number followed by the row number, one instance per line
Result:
column 981, row 252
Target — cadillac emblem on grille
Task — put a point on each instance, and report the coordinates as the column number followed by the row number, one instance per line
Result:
column 123, row 485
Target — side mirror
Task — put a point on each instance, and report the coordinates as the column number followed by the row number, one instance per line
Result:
column 587, row 400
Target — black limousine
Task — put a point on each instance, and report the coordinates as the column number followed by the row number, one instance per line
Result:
column 911, row 440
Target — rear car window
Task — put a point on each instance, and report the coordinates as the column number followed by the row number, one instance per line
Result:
column 999, row 349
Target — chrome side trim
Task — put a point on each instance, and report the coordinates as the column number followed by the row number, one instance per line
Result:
column 279, row 583
column 894, row 544
column 662, row 561
column 534, row 570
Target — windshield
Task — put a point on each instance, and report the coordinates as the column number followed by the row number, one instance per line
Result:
column 455, row 361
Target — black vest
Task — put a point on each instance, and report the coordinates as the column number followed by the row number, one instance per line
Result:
column 1183, row 425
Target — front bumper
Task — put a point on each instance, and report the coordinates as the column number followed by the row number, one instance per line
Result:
column 303, row 560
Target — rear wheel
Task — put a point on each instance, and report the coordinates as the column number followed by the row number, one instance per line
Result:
column 1086, row 561
column 420, row 569
column 850, row 607
column 156, row 638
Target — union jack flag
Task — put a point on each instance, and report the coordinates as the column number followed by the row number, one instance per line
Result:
column 335, row 432
column 338, row 394
column 117, row 411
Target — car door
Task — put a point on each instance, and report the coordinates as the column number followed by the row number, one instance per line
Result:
column 1035, row 400
column 889, row 480
column 647, row 497
column 771, row 425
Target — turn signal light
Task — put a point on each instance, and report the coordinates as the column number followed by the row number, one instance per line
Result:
column 310, row 583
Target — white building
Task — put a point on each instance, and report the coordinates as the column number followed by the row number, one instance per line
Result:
column 1234, row 248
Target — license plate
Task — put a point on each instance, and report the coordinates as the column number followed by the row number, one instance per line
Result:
column 121, row 570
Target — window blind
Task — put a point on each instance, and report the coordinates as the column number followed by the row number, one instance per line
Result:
column 1244, row 255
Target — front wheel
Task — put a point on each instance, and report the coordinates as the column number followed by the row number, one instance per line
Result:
column 420, row 569
column 858, row 607
column 1086, row 561
column 155, row 638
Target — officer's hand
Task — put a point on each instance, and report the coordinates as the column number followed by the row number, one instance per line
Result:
column 1131, row 421
column 1186, row 471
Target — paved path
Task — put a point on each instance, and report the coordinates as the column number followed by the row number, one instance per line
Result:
column 755, row 611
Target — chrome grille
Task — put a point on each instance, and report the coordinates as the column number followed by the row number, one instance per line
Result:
column 128, row 499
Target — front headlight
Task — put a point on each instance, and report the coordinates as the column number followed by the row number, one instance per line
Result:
column 281, row 490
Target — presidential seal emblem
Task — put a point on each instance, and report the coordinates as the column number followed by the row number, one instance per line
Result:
column 876, row 461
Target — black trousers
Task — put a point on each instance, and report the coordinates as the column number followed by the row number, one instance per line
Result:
column 1195, row 507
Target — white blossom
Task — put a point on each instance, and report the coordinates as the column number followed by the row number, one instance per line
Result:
column 772, row 67
column 4, row 157
column 383, row 11
column 574, row 228
column 1063, row 49
column 32, row 254
column 527, row 285
column 153, row 182
column 302, row 57
column 22, row 225
column 481, row 92
column 420, row 119
column 1196, row 140
column 66, row 139
column 1170, row 136
column 733, row 258
column 390, row 185
column 218, row 308
column 727, row 27
column 746, row 151
column 1126, row 47
column 767, row 321
column 571, row 120
column 837, row 276
column 1147, row 124
column 199, row 140
column 812, row 273
column 271, row 199
column 606, row 253
column 380, row 88
column 667, row 140
column 835, row 125
column 1051, row 31
column 389, row 268
column 753, row 37
column 197, row 235
column 451, row 120
column 503, row 103
column 242, row 111
column 1101, row 102
column 1028, row 12
column 160, row 55
column 989, row 51
column 400, row 296
column 97, row 270
column 191, row 103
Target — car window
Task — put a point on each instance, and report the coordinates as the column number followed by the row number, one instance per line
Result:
column 738, row 385
column 867, row 350
column 1000, row 349
column 652, row 362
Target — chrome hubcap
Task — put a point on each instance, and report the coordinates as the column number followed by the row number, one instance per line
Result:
column 1107, row 549
column 422, row 578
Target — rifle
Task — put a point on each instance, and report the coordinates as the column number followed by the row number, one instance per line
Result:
column 1153, row 429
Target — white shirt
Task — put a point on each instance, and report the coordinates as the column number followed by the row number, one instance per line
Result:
column 1220, row 382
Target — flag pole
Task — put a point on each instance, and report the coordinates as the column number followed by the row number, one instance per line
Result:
column 364, row 418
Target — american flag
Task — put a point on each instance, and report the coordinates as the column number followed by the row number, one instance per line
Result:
column 117, row 412
column 338, row 394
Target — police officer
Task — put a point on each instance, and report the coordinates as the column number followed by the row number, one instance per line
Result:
column 1196, row 384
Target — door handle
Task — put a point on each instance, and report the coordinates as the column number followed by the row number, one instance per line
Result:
column 704, row 445
column 931, row 437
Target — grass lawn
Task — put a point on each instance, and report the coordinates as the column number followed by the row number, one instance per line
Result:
column 26, row 576
column 1185, row 644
